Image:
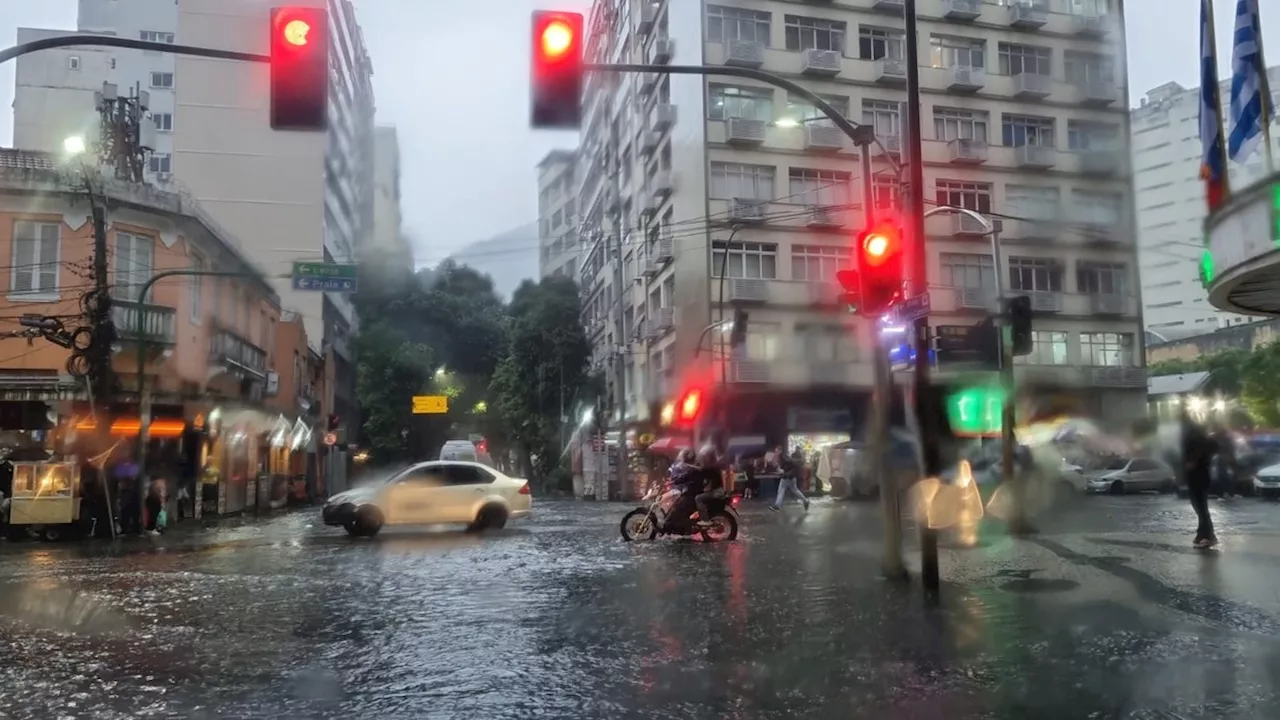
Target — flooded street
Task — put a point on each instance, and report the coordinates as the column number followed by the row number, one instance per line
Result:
column 1107, row 613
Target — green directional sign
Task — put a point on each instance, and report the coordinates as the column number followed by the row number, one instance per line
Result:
column 324, row 277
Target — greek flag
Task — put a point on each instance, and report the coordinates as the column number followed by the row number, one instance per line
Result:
column 1250, row 109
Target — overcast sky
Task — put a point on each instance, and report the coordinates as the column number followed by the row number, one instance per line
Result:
column 453, row 78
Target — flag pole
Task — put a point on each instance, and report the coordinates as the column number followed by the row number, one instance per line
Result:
column 1212, row 39
column 1264, row 87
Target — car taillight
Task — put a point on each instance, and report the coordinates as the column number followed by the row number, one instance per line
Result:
column 525, row 490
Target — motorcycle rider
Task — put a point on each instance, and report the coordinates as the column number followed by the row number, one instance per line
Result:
column 687, row 477
column 713, row 458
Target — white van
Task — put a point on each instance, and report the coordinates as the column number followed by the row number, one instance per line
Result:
column 464, row 451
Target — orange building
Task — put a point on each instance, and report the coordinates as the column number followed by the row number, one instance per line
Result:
column 218, row 361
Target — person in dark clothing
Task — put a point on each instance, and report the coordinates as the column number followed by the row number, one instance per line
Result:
column 1224, row 466
column 155, row 503
column 1198, row 449
column 687, row 477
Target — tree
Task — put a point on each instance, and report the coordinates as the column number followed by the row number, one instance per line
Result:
column 1249, row 375
column 543, row 370
column 390, row 371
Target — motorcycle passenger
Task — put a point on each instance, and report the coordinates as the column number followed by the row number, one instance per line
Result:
column 713, row 458
column 688, row 478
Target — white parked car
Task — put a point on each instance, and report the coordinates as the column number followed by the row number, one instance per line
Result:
column 1266, row 482
column 432, row 493
column 1126, row 475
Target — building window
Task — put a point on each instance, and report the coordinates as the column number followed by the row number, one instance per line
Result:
column 763, row 341
column 955, row 124
column 743, row 103
column 968, row 271
column 1096, row 208
column 1030, row 59
column 827, row 343
column 880, row 43
column 1089, row 7
column 947, row 51
column 1089, row 68
column 802, row 111
column 35, row 257
column 135, row 263
column 159, row 163
column 161, row 79
column 1083, row 135
column 156, row 36
column 746, row 182
column 1035, row 274
column 1107, row 349
column 726, row 23
column 163, row 121
column 882, row 115
column 1020, row 130
column 749, row 261
column 1048, row 347
column 806, row 33
column 974, row 196
column 73, row 62
column 1100, row 278
column 1032, row 203
column 818, row 263
column 885, row 189
column 819, row 187
column 197, row 287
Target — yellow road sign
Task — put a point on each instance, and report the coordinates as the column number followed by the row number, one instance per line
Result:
column 430, row 404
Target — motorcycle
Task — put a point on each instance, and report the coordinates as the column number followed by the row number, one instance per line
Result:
column 650, row 519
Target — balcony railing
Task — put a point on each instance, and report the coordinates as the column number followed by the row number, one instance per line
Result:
column 143, row 321
column 229, row 347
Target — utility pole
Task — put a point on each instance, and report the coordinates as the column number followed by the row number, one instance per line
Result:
column 919, row 283
column 891, row 564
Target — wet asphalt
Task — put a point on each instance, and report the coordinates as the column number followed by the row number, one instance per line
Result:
column 1106, row 613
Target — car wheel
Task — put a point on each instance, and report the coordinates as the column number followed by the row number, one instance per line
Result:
column 51, row 534
column 1117, row 487
column 368, row 521
column 490, row 517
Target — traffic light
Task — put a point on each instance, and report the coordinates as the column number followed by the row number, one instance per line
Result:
column 689, row 407
column 299, row 68
column 556, row 81
column 879, row 270
column 850, row 283
column 1018, row 312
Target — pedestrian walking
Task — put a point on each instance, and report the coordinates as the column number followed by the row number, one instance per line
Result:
column 156, row 519
column 1198, row 449
column 787, row 482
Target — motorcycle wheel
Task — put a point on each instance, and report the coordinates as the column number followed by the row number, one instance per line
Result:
column 638, row 525
column 724, row 528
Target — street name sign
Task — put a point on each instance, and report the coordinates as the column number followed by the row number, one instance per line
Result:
column 324, row 277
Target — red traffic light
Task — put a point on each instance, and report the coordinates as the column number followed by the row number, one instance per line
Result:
column 879, row 272
column 295, row 32
column 556, row 70
column 689, row 407
column 557, row 38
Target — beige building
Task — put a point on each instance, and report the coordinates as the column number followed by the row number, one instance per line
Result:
column 286, row 195
column 700, row 194
column 388, row 233
column 558, row 245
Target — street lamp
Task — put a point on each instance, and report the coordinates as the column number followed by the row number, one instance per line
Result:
column 73, row 145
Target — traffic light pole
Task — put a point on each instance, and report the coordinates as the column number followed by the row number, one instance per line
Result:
column 919, row 274
column 891, row 564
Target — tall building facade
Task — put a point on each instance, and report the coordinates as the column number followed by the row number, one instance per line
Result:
column 558, row 215
column 286, row 195
column 388, row 235
column 702, row 194
column 1169, row 196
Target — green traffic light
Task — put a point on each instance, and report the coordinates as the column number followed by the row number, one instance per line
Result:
column 1206, row 268
column 976, row 410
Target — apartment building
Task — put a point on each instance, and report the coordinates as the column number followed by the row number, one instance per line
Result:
column 557, row 215
column 388, row 233
column 701, row 194
column 1169, row 197
column 285, row 195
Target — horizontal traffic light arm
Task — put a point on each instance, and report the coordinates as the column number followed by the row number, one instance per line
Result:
column 115, row 41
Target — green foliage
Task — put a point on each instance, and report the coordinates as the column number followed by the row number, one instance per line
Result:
column 391, row 369
column 543, row 370
column 1251, row 376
